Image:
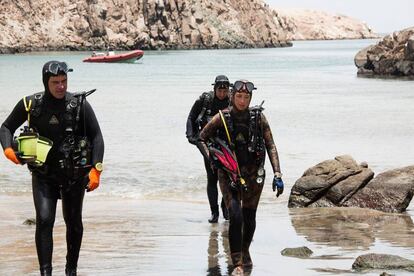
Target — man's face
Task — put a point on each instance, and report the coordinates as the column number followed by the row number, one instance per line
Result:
column 222, row 93
column 58, row 85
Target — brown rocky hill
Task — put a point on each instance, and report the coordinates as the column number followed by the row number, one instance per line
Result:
column 319, row 25
column 130, row 24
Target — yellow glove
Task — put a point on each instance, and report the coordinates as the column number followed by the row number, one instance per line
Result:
column 9, row 152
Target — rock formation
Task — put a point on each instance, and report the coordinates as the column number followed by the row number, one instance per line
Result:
column 297, row 252
column 342, row 182
column 146, row 24
column 392, row 56
column 382, row 261
column 319, row 25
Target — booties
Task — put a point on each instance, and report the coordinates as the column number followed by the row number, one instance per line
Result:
column 70, row 271
column 247, row 260
column 46, row 271
column 214, row 214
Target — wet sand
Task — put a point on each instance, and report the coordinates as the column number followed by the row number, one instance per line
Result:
column 163, row 237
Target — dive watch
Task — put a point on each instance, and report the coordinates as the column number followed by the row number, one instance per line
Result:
column 99, row 167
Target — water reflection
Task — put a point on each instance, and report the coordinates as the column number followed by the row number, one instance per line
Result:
column 215, row 258
column 352, row 228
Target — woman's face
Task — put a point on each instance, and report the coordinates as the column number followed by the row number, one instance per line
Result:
column 241, row 100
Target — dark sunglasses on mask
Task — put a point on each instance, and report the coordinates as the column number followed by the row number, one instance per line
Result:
column 241, row 85
column 58, row 67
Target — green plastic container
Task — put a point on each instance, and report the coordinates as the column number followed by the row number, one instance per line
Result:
column 27, row 145
column 33, row 148
column 42, row 149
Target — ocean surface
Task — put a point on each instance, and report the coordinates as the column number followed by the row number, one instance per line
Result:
column 316, row 105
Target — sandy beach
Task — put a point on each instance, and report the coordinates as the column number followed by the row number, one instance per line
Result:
column 162, row 237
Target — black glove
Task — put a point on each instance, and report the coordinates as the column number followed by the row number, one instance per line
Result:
column 194, row 139
column 278, row 184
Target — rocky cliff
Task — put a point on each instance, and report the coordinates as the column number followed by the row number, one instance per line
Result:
column 319, row 25
column 392, row 56
column 130, row 24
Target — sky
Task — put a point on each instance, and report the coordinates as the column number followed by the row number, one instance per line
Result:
column 383, row 16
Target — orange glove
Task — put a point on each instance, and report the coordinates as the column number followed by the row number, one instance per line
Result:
column 94, row 176
column 9, row 152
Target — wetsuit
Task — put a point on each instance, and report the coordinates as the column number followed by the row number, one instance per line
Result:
column 242, row 204
column 193, row 129
column 50, row 182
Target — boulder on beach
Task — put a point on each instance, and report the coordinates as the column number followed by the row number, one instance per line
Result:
column 382, row 261
column 298, row 252
column 342, row 182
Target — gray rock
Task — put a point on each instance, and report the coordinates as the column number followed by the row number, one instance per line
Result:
column 409, row 49
column 345, row 189
column 298, row 252
column 361, row 58
column 343, row 183
column 316, row 187
column 382, row 261
column 30, row 221
column 390, row 191
column 392, row 56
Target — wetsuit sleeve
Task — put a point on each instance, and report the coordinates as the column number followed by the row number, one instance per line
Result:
column 270, row 145
column 210, row 130
column 16, row 118
column 94, row 134
column 191, row 127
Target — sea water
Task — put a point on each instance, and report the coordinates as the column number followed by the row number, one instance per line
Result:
column 316, row 105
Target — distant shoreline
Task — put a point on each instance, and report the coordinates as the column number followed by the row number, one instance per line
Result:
column 73, row 50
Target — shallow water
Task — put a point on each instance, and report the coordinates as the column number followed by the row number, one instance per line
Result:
column 316, row 105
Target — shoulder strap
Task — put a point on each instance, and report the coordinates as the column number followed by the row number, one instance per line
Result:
column 72, row 112
column 33, row 105
column 255, row 129
column 207, row 98
column 227, row 123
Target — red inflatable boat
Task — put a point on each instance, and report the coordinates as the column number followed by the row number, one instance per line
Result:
column 129, row 57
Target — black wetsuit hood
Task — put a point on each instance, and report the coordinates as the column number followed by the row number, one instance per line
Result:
column 46, row 74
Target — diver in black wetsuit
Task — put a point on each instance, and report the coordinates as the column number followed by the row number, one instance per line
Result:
column 73, row 163
column 201, row 113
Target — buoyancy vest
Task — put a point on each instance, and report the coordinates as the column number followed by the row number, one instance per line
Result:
column 247, row 136
column 75, row 148
column 205, row 114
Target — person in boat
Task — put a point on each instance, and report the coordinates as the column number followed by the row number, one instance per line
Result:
column 204, row 108
column 110, row 52
column 247, row 137
column 73, row 162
